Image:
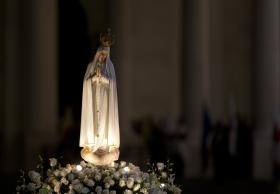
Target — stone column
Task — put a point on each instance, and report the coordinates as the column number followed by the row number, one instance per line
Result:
column 267, row 80
column 196, row 80
column 11, row 85
column 2, row 74
column 218, row 105
column 148, row 50
column 39, row 77
column 30, row 81
column 122, row 53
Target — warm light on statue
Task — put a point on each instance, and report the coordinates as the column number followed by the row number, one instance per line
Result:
column 162, row 185
column 126, row 169
column 99, row 135
column 99, row 172
column 79, row 168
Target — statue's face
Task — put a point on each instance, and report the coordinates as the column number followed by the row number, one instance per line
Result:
column 102, row 55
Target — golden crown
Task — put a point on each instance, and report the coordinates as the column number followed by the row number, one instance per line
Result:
column 106, row 39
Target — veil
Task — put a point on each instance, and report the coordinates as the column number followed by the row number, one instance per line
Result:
column 87, row 133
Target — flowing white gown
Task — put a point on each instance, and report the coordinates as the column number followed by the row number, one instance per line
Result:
column 100, row 119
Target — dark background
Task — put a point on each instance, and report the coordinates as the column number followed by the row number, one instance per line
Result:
column 198, row 83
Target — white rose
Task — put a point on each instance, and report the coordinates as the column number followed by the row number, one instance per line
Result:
column 127, row 191
column 107, row 185
column 89, row 182
column 86, row 171
column 144, row 190
column 97, row 177
column 164, row 175
column 70, row 187
column 56, row 173
column 107, row 179
column 64, row 181
column 57, row 188
column 112, row 182
column 177, row 190
column 147, row 185
column 71, row 192
column 68, row 168
column 160, row 166
column 71, row 176
column 53, row 162
column 117, row 175
column 146, row 176
column 105, row 191
column 130, row 182
column 85, row 190
column 76, row 181
column 139, row 179
column 98, row 189
column 83, row 164
column 171, row 179
column 122, row 183
column 78, row 187
column 122, row 164
column 106, row 173
column 34, row 176
column 63, row 172
column 18, row 188
column 115, row 165
column 153, row 183
column 136, row 187
column 31, row 187
column 54, row 181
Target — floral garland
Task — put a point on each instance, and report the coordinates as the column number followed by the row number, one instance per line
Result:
column 86, row 178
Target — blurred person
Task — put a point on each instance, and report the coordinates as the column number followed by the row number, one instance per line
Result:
column 244, row 149
column 233, row 128
column 220, row 145
column 162, row 142
column 205, row 139
column 276, row 137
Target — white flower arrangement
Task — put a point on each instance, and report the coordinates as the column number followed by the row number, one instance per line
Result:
column 86, row 178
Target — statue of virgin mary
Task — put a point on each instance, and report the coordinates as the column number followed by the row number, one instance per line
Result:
column 99, row 135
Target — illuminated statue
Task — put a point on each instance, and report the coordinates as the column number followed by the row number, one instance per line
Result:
column 99, row 135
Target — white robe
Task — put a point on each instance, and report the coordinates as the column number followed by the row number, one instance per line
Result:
column 100, row 120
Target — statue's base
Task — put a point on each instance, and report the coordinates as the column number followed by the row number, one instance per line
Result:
column 100, row 158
